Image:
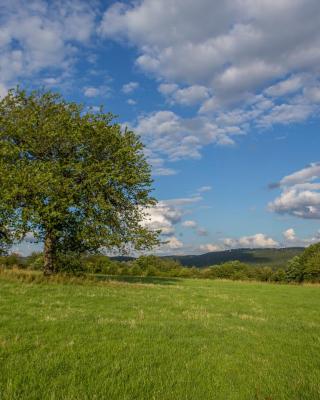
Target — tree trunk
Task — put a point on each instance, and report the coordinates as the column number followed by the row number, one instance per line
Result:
column 49, row 254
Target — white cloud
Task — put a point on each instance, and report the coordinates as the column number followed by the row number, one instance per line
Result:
column 189, row 224
column 307, row 174
column 289, row 234
column 292, row 239
column 51, row 81
column 203, row 189
column 312, row 94
column 287, row 114
column 163, row 217
column 238, row 46
column 210, row 247
column 131, row 102
column 168, row 213
column 239, row 64
column 187, row 96
column 287, row 86
column 300, row 194
column 130, row 87
column 256, row 241
column 38, row 35
column 164, row 172
column 169, row 136
column 174, row 243
column 167, row 88
column 91, row 92
column 299, row 202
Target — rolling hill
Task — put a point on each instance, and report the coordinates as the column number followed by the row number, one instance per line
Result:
column 264, row 257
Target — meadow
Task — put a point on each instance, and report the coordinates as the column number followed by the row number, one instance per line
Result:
column 159, row 338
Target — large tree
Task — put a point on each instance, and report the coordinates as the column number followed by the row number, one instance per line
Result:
column 71, row 177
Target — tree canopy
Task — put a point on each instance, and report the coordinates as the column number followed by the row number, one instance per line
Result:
column 71, row 177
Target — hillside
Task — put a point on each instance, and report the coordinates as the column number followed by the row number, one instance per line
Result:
column 266, row 257
column 269, row 257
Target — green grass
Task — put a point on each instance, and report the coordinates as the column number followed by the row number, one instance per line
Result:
column 159, row 339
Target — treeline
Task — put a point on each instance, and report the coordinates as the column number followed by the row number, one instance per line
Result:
column 303, row 268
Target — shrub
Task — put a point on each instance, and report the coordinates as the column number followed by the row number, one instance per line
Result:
column 279, row 275
column 12, row 260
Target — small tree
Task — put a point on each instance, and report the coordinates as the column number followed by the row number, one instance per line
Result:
column 71, row 177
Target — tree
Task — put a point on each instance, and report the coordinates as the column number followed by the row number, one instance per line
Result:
column 71, row 177
column 310, row 261
column 295, row 270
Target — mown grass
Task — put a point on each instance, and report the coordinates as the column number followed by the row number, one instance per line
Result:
column 153, row 338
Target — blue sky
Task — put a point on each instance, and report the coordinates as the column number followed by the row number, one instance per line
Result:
column 225, row 95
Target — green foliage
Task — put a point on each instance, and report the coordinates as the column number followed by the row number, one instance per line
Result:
column 71, row 177
column 310, row 259
column 278, row 276
column 163, row 265
column 294, row 270
column 297, row 270
column 12, row 260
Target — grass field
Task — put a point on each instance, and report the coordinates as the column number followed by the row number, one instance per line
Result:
column 159, row 339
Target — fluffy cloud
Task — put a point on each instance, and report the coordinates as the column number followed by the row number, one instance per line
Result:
column 171, row 137
column 131, row 102
column 247, row 71
column 259, row 240
column 166, row 216
column 282, row 88
column 40, row 35
column 187, row 96
column 300, row 194
column 307, row 174
column 209, row 247
column 130, row 87
column 292, row 239
column 239, row 46
column 91, row 92
column 173, row 243
column 256, row 241
column 289, row 234
column 168, row 213
column 163, row 217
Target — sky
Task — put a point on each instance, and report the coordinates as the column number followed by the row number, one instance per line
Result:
column 224, row 94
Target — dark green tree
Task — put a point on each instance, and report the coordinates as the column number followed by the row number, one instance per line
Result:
column 295, row 270
column 310, row 261
column 70, row 176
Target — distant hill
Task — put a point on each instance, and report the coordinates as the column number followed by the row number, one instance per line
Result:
column 264, row 257
column 267, row 257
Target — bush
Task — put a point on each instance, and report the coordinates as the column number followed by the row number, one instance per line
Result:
column 70, row 263
column 12, row 260
column 278, row 276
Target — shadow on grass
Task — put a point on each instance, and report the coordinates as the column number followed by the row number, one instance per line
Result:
column 155, row 280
